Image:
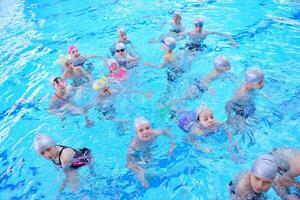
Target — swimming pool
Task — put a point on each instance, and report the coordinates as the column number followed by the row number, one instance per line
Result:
column 34, row 33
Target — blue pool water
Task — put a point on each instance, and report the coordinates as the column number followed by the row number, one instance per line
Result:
column 34, row 33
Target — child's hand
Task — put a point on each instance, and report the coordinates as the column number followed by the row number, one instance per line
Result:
column 235, row 44
column 173, row 146
column 89, row 123
column 207, row 150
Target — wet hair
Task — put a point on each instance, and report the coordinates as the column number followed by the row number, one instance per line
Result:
column 57, row 79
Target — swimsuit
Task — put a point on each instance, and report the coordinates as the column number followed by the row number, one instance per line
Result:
column 82, row 157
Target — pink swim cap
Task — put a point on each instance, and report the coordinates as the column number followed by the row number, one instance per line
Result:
column 71, row 48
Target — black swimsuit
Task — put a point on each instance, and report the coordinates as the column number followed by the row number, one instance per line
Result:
column 82, row 157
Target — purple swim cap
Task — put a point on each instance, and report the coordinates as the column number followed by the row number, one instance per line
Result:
column 186, row 119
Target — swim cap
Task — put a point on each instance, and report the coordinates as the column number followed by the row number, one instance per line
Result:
column 199, row 22
column 140, row 121
column 121, row 30
column 221, row 62
column 63, row 59
column 100, row 83
column 177, row 14
column 42, row 141
column 120, row 45
column 201, row 108
column 265, row 166
column 254, row 75
column 186, row 119
column 71, row 49
column 169, row 42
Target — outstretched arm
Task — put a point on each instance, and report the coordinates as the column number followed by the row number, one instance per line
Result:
column 192, row 139
column 167, row 134
column 233, row 42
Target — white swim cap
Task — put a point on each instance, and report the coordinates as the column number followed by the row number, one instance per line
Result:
column 42, row 141
column 120, row 30
column 120, row 45
column 265, row 166
column 140, row 121
column 254, row 75
column 201, row 108
column 177, row 14
column 169, row 42
column 221, row 62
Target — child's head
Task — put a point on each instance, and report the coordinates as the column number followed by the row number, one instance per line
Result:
column 168, row 44
column 73, row 52
column 263, row 172
column 101, row 85
column 143, row 128
column 120, row 49
column 115, row 70
column 177, row 18
column 222, row 64
column 122, row 34
column 255, row 78
column 198, row 24
column 205, row 117
column 58, row 83
column 45, row 146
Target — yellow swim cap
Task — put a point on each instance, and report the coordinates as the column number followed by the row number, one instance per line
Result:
column 100, row 83
column 63, row 59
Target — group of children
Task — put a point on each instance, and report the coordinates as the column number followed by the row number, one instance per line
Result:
column 278, row 168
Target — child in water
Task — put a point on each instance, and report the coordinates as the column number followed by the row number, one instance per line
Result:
column 288, row 161
column 202, row 123
column 125, row 59
column 77, row 74
column 115, row 71
column 196, row 89
column 79, row 60
column 142, row 143
column 170, row 60
column 198, row 35
column 61, row 102
column 241, row 106
column 122, row 39
column 252, row 185
column 67, row 158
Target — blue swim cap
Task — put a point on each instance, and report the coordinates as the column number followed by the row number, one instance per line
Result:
column 254, row 75
column 265, row 166
column 186, row 119
column 221, row 63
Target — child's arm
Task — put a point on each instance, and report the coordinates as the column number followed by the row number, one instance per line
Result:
column 167, row 134
column 233, row 42
column 53, row 110
column 140, row 172
column 87, row 75
column 191, row 138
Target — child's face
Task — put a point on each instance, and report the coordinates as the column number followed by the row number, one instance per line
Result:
column 75, row 53
column 144, row 132
column 49, row 153
column 259, row 184
column 258, row 85
column 114, row 67
column 123, row 36
column 176, row 19
column 68, row 65
column 207, row 119
column 59, row 84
